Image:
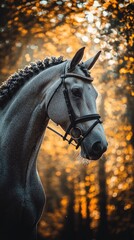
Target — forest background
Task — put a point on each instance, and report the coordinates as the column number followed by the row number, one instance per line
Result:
column 84, row 201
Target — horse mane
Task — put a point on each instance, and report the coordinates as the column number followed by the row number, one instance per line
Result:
column 18, row 79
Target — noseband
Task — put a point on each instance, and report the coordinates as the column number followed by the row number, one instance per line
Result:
column 74, row 131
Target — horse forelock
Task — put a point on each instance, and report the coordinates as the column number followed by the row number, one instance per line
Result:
column 10, row 87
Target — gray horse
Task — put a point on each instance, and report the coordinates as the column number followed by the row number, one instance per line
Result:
column 50, row 89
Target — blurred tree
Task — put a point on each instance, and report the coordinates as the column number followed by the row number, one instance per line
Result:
column 103, row 222
column 117, row 23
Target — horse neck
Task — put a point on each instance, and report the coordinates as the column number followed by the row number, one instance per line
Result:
column 24, row 119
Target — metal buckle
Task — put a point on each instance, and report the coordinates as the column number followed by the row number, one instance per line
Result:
column 76, row 133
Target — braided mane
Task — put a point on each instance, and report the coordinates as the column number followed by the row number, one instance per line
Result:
column 18, row 79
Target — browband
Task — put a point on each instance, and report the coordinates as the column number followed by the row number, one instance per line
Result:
column 81, row 77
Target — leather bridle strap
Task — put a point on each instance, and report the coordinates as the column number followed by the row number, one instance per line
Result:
column 85, row 118
column 87, row 79
column 87, row 132
column 73, row 119
column 71, row 113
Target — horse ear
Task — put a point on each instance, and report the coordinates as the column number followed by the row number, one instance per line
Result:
column 76, row 59
column 90, row 63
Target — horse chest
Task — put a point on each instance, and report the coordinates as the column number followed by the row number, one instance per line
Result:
column 22, row 206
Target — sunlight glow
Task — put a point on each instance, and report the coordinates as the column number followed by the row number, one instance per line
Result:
column 90, row 17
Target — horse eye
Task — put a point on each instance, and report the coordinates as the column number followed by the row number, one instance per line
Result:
column 77, row 92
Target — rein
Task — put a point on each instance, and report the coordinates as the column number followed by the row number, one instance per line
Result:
column 74, row 131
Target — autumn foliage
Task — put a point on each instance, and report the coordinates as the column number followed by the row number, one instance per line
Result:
column 94, row 201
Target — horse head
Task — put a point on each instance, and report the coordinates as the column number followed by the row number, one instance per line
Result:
column 72, row 105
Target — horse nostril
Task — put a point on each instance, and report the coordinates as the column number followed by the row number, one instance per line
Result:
column 97, row 148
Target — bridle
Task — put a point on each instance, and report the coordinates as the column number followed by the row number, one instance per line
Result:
column 74, row 131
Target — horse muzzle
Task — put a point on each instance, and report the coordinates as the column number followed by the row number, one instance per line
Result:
column 93, row 151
